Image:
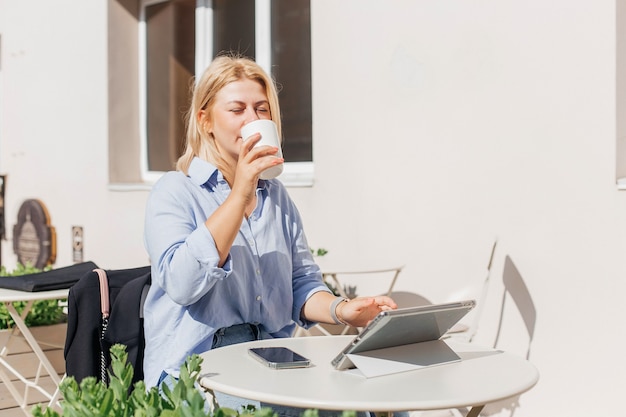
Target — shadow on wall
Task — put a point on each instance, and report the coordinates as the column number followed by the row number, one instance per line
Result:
column 515, row 290
column 518, row 292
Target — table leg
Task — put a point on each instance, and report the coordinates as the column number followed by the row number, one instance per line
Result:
column 475, row 411
column 19, row 322
column 36, row 349
column 13, row 390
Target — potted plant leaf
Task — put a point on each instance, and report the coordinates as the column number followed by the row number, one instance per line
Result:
column 92, row 398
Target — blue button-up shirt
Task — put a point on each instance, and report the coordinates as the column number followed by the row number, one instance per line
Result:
column 267, row 277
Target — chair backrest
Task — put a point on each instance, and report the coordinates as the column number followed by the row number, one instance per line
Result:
column 473, row 328
column 84, row 343
column 517, row 290
column 347, row 282
column 468, row 327
column 409, row 299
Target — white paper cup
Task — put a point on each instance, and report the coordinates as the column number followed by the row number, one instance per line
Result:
column 269, row 137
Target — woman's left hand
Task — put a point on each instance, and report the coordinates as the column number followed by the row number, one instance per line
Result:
column 361, row 310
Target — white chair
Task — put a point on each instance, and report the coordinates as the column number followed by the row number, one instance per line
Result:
column 468, row 327
column 473, row 328
column 515, row 290
column 337, row 278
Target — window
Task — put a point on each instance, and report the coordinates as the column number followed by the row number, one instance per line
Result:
column 291, row 66
column 170, row 63
column 178, row 38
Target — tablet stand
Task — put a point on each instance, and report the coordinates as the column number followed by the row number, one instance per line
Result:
column 403, row 358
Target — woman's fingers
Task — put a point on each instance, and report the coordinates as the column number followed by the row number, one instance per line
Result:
column 253, row 160
column 248, row 144
column 261, row 158
column 250, row 153
column 385, row 302
column 381, row 302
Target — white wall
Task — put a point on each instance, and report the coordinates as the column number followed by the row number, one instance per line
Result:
column 438, row 127
column 53, row 129
column 441, row 125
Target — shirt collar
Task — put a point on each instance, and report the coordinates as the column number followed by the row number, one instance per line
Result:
column 201, row 172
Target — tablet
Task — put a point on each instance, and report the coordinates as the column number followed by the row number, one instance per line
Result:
column 404, row 326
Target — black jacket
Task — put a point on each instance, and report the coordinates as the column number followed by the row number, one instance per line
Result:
column 83, row 341
column 54, row 279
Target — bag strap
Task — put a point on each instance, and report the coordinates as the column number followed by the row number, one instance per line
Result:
column 104, row 292
column 105, row 308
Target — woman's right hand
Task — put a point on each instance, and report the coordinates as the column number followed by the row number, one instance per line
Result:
column 251, row 162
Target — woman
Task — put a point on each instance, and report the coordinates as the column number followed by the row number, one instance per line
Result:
column 230, row 260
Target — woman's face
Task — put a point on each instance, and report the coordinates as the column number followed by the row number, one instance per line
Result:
column 236, row 104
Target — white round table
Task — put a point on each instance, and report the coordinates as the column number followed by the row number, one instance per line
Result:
column 482, row 376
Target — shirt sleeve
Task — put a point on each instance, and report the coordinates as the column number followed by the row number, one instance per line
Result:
column 180, row 244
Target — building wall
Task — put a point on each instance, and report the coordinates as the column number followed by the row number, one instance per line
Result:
column 438, row 128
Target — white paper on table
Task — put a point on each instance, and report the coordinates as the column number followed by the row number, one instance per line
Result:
column 402, row 358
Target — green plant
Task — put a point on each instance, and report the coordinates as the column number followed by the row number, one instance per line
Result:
column 42, row 312
column 20, row 269
column 318, row 252
column 93, row 398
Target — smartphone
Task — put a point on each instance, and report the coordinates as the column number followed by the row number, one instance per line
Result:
column 279, row 357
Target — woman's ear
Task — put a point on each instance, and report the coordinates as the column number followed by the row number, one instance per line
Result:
column 203, row 121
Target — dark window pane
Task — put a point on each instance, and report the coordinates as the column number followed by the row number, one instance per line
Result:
column 170, row 37
column 291, row 67
column 233, row 26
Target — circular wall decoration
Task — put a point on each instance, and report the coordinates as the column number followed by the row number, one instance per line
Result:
column 34, row 239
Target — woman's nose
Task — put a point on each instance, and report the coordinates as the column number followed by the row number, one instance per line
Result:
column 251, row 115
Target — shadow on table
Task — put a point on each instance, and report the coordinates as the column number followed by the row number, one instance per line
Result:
column 468, row 356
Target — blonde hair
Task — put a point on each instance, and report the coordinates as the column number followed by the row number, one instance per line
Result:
column 223, row 70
